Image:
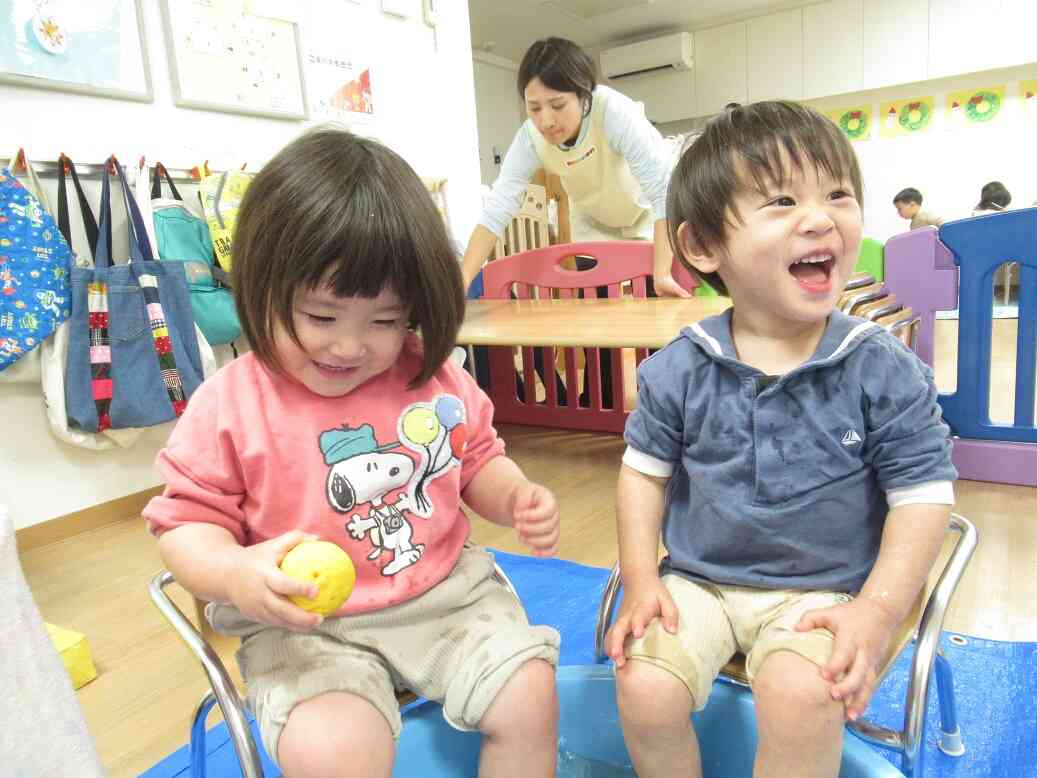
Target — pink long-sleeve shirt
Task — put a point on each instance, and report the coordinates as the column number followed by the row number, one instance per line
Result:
column 378, row 471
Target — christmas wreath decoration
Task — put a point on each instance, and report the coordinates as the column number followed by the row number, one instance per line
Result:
column 854, row 124
column 982, row 106
column 914, row 116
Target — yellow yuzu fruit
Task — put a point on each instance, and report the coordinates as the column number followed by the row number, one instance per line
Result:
column 327, row 566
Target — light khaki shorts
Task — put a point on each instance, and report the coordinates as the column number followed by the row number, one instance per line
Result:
column 716, row 621
column 457, row 644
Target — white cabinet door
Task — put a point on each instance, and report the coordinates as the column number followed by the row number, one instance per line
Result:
column 895, row 42
column 775, row 49
column 832, row 48
column 1019, row 22
column 668, row 96
column 719, row 68
column 964, row 36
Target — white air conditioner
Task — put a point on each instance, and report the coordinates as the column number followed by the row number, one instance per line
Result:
column 670, row 52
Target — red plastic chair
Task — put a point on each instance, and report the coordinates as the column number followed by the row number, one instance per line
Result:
column 621, row 267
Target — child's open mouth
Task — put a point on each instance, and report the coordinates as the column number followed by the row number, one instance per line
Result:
column 813, row 273
column 333, row 370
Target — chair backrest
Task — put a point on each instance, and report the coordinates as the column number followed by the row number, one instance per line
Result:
column 436, row 187
column 529, row 229
column 617, row 268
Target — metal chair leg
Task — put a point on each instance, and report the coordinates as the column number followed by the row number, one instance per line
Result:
column 605, row 611
column 949, row 741
column 223, row 690
column 201, row 713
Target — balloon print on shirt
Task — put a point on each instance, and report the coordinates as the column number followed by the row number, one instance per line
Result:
column 364, row 472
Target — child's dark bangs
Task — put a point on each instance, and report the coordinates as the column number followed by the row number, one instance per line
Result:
column 772, row 158
column 364, row 247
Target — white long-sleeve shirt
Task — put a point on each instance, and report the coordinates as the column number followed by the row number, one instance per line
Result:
column 628, row 132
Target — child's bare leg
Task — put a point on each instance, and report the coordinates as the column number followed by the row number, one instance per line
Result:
column 800, row 725
column 332, row 730
column 520, row 728
column 655, row 709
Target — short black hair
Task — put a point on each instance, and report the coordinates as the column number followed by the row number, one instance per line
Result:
column 993, row 197
column 909, row 195
column 332, row 207
column 707, row 178
column 560, row 65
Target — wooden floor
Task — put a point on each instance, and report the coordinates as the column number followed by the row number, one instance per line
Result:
column 138, row 707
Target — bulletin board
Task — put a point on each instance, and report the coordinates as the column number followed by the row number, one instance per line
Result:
column 233, row 56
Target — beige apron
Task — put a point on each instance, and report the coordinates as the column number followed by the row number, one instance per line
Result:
column 598, row 180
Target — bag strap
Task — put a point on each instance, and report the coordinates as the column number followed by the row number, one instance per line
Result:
column 89, row 222
column 216, row 199
column 140, row 246
column 156, row 183
column 20, row 160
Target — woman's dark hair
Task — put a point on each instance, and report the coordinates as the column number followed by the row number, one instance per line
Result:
column 752, row 138
column 993, row 197
column 560, row 65
column 337, row 209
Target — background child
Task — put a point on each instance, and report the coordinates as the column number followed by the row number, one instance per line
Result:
column 908, row 203
column 793, row 458
column 992, row 197
column 341, row 424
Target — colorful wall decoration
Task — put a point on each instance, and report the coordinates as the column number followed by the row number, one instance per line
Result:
column 974, row 107
column 855, row 121
column 1028, row 97
column 906, row 117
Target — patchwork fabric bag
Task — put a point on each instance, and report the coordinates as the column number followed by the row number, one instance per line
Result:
column 133, row 360
column 182, row 236
column 35, row 262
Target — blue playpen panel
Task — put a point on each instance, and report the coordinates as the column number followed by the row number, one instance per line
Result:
column 980, row 246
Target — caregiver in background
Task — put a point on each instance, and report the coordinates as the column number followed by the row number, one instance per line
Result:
column 613, row 163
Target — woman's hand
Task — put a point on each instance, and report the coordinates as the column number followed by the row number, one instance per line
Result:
column 260, row 590
column 667, row 286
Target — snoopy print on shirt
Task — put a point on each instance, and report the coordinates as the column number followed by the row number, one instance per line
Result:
column 365, row 473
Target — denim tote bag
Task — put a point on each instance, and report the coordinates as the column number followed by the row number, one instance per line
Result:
column 133, row 360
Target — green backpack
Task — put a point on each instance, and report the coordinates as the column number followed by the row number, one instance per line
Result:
column 182, row 236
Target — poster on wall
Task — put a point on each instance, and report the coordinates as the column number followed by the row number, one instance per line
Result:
column 340, row 88
column 855, row 121
column 906, row 117
column 95, row 48
column 230, row 56
column 975, row 107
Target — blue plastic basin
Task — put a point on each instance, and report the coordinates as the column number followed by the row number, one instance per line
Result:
column 589, row 727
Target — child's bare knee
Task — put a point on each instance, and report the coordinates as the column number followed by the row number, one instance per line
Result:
column 331, row 730
column 650, row 696
column 527, row 706
column 791, row 683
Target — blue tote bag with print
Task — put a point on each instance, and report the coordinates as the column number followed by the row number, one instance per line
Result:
column 133, row 359
column 35, row 262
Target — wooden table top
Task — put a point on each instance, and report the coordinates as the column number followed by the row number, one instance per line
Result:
column 614, row 323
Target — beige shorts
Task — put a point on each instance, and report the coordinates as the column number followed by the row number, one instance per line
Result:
column 457, row 644
column 717, row 621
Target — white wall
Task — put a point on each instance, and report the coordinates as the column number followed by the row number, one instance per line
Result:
column 424, row 100
column 948, row 165
column 498, row 110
